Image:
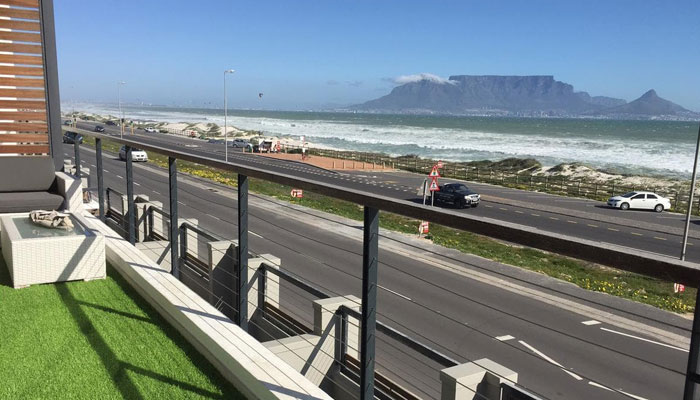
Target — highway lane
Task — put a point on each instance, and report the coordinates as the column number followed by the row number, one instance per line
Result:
column 459, row 315
column 624, row 230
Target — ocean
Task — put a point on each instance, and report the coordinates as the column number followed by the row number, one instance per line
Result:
column 635, row 147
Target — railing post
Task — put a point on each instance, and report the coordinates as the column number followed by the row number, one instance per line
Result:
column 341, row 336
column 262, row 286
column 173, row 234
column 76, row 150
column 242, row 252
column 370, row 253
column 131, row 208
column 100, row 178
column 692, row 378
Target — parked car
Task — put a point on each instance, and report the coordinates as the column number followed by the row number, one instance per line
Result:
column 70, row 137
column 99, row 128
column 641, row 201
column 136, row 154
column 458, row 195
column 67, row 122
column 151, row 130
column 110, row 123
column 240, row 143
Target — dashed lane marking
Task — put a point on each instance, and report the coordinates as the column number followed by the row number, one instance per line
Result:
column 554, row 218
column 535, row 215
column 120, row 177
column 592, row 225
column 255, row 234
column 636, row 234
column 613, row 229
column 591, row 322
column 504, row 338
column 571, row 222
column 659, row 238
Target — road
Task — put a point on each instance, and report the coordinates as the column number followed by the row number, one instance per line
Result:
column 645, row 231
column 448, row 308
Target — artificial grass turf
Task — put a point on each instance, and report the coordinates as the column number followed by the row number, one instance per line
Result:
column 96, row 340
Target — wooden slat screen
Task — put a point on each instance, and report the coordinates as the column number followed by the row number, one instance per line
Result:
column 23, row 118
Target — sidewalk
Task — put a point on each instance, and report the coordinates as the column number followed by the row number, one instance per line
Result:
column 329, row 163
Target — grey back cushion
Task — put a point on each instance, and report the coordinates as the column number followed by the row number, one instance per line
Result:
column 26, row 174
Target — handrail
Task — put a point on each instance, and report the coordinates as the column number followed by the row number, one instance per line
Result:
column 423, row 349
column 616, row 256
column 301, row 284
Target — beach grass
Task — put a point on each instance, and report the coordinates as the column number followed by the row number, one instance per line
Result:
column 96, row 340
column 586, row 275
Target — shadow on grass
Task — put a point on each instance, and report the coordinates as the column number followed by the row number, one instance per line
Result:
column 117, row 368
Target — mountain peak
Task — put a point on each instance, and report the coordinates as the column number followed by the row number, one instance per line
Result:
column 650, row 94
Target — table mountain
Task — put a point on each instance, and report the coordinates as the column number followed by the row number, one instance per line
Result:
column 465, row 94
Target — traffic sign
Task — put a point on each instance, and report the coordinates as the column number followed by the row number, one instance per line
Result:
column 297, row 193
column 434, row 172
column 424, row 227
column 678, row 287
column 439, row 164
column 434, row 186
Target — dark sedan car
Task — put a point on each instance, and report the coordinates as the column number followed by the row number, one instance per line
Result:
column 99, row 128
column 457, row 194
column 71, row 137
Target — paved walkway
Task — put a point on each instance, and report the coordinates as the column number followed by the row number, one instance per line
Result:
column 328, row 162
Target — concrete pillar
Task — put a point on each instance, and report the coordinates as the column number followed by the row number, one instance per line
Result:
column 478, row 380
column 192, row 237
column 272, row 282
column 324, row 315
column 142, row 226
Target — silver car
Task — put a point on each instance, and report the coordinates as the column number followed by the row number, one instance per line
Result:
column 136, row 154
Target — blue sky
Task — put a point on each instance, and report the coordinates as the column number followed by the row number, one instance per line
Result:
column 313, row 54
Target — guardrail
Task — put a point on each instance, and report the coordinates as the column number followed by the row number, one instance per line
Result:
column 618, row 257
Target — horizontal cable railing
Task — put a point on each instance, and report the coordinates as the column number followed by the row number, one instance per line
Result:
column 360, row 367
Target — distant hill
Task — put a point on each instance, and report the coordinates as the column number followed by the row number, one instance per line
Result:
column 470, row 93
column 650, row 104
column 531, row 95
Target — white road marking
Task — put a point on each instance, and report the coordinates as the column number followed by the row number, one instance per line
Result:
column 636, row 233
column 396, row 293
column 504, row 338
column 549, row 360
column 254, row 234
column 156, row 192
column 554, row 218
column 593, row 226
column 105, row 170
column 644, row 339
column 659, row 238
column 634, row 396
column 120, row 177
column 571, row 222
column 535, row 215
column 137, row 184
column 182, row 203
column 613, row 229
column 598, row 385
column 591, row 322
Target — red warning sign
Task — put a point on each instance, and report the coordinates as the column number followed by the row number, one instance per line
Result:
column 439, row 164
column 434, row 186
column 678, row 287
column 434, row 173
column 297, row 193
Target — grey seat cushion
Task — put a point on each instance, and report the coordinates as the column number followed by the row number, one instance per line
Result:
column 28, row 201
column 26, row 174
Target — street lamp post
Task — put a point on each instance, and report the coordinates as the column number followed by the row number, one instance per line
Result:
column 121, row 114
column 228, row 71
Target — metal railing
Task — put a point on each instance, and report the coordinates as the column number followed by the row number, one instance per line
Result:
column 615, row 256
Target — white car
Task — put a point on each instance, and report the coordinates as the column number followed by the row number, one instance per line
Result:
column 641, row 201
column 136, row 154
column 151, row 130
